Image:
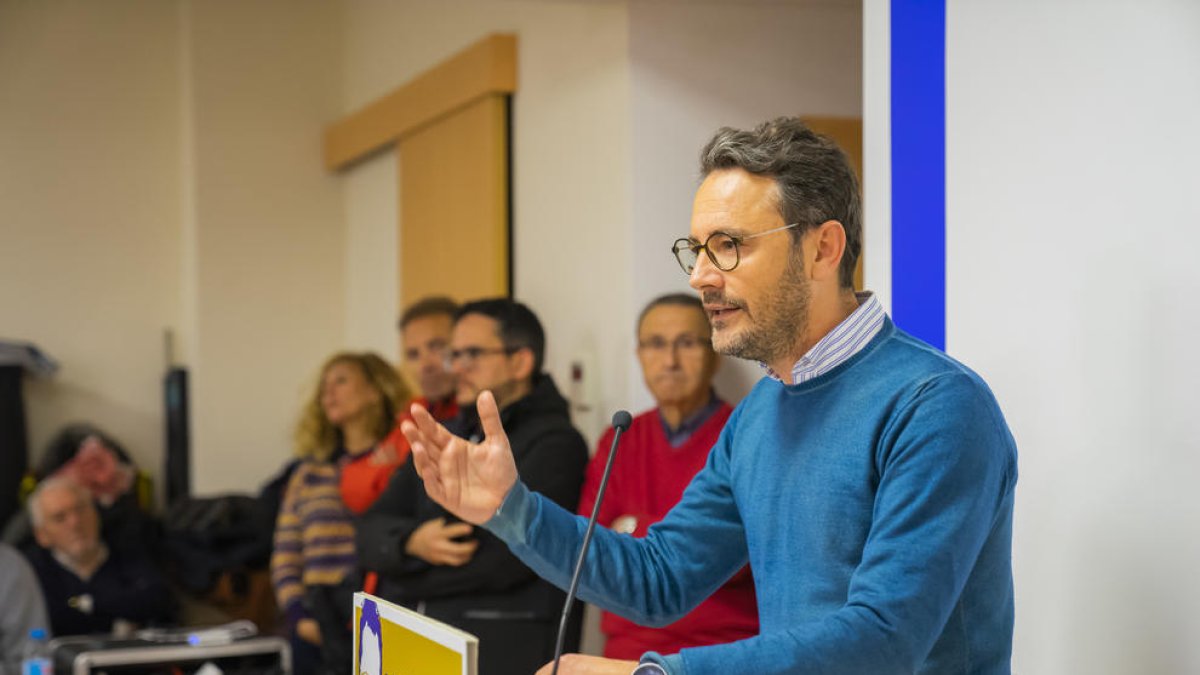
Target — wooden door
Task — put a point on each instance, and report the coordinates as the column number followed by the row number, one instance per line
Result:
column 450, row 128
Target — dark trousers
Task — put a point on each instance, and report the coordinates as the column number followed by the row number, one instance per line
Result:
column 306, row 657
column 332, row 607
column 516, row 645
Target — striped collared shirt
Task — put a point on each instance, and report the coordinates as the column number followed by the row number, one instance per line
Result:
column 844, row 341
column 677, row 437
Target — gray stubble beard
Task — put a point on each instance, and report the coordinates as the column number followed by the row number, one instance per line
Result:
column 784, row 319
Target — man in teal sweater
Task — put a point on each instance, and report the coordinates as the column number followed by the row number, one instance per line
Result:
column 868, row 480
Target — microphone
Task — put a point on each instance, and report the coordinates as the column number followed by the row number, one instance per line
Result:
column 620, row 422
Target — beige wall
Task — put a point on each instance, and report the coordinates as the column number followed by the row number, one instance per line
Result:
column 89, row 208
column 268, row 235
column 160, row 169
column 570, row 160
column 163, row 158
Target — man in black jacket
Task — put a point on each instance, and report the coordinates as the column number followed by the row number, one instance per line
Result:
column 427, row 559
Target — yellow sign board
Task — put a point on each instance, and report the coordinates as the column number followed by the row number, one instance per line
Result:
column 392, row 640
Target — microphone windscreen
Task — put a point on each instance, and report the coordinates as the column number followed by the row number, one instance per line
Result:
column 621, row 420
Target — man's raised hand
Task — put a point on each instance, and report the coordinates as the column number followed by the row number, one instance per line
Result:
column 469, row 480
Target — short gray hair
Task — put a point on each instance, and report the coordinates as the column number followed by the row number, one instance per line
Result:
column 53, row 483
column 815, row 180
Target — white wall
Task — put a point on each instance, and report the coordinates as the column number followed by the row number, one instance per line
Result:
column 614, row 102
column 877, row 153
column 1073, row 161
column 89, row 198
column 369, row 211
column 698, row 66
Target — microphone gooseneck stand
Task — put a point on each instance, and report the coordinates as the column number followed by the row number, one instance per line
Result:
column 620, row 422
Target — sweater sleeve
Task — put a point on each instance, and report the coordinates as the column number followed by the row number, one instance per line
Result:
column 654, row 580
column 947, row 469
column 553, row 463
column 287, row 556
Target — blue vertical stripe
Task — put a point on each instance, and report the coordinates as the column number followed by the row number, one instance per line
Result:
column 918, row 86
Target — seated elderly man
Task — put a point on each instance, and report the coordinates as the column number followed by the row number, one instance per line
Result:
column 664, row 448
column 88, row 587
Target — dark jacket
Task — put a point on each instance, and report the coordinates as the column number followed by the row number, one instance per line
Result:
column 125, row 587
column 495, row 597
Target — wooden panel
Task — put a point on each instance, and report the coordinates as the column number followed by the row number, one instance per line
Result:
column 454, row 205
column 846, row 132
column 486, row 68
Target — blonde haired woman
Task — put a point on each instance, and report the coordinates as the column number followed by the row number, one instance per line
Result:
column 340, row 440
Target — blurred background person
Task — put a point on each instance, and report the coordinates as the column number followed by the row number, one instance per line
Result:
column 663, row 449
column 23, row 609
column 424, row 342
column 424, row 338
column 425, row 328
column 88, row 586
column 342, row 429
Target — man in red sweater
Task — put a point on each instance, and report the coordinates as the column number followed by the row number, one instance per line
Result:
column 663, row 449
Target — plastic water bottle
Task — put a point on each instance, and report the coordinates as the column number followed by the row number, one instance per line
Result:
column 36, row 658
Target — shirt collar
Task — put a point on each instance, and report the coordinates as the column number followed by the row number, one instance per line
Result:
column 65, row 560
column 680, row 435
column 845, row 340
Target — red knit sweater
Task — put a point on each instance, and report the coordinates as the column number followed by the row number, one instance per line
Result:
column 648, row 478
column 364, row 479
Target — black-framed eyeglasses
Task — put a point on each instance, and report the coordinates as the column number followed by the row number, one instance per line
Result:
column 469, row 355
column 723, row 249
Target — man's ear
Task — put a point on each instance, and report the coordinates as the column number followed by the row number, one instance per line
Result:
column 522, row 361
column 827, row 243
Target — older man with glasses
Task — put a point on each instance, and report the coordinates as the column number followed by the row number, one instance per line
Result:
column 663, row 449
column 868, row 480
column 429, row 560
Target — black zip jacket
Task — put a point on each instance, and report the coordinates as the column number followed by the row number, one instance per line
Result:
column 494, row 596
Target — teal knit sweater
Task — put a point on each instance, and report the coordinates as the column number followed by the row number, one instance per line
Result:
column 874, row 504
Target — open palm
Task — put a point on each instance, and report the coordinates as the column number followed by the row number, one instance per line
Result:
column 468, row 479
